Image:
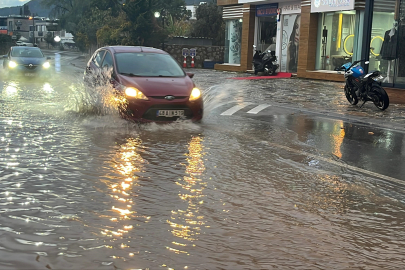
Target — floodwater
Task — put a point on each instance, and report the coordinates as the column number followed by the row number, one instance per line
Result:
column 81, row 188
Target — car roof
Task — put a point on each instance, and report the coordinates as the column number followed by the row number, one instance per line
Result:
column 25, row 47
column 126, row 49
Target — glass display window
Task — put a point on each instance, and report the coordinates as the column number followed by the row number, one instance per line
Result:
column 233, row 39
column 383, row 44
column 336, row 39
column 267, row 33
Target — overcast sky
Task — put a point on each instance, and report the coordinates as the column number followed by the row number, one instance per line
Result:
column 12, row 3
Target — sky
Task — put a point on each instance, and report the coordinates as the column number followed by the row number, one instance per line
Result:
column 12, row 3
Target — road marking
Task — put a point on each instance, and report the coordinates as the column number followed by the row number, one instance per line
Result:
column 331, row 161
column 236, row 108
column 259, row 108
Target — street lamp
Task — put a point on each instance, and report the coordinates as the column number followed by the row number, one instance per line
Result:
column 33, row 29
column 162, row 14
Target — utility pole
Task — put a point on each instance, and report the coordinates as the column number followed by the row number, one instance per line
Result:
column 33, row 29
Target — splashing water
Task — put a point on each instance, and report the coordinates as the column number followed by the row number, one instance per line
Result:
column 218, row 95
column 94, row 95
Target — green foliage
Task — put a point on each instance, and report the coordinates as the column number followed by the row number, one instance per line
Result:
column 5, row 38
column 49, row 39
column 112, row 22
column 209, row 23
column 178, row 27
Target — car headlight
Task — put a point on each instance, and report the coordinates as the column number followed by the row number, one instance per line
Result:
column 135, row 93
column 195, row 94
column 46, row 65
column 12, row 64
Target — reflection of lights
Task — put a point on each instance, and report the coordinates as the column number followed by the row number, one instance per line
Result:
column 47, row 88
column 11, row 90
column 122, row 211
column 127, row 162
column 184, row 223
column 338, row 136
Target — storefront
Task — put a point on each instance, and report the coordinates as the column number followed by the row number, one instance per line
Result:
column 269, row 25
column 289, row 35
column 233, row 18
column 387, row 48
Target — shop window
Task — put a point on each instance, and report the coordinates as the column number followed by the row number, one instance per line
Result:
column 383, row 46
column 267, row 33
column 233, row 38
column 336, row 39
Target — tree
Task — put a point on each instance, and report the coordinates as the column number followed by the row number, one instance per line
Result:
column 209, row 23
column 49, row 39
column 128, row 22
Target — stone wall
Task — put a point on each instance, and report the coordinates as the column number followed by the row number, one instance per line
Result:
column 212, row 53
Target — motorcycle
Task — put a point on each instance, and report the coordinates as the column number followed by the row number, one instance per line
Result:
column 360, row 87
column 265, row 62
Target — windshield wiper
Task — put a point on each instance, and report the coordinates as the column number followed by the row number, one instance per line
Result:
column 129, row 74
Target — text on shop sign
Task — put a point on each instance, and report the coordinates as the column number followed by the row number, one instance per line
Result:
column 331, row 5
column 266, row 10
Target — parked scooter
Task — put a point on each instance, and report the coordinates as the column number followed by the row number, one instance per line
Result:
column 364, row 87
column 265, row 62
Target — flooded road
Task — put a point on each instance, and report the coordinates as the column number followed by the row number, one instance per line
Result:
column 276, row 189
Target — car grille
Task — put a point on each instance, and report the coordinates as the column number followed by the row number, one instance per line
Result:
column 163, row 97
column 150, row 114
column 31, row 66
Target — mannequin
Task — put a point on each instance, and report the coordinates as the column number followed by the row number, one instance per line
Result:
column 389, row 49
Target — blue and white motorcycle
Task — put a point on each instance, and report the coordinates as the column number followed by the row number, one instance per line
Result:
column 364, row 87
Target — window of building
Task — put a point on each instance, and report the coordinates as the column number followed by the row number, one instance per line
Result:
column 336, row 39
column 233, row 38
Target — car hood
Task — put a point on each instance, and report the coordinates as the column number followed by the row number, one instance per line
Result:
column 160, row 86
column 28, row 60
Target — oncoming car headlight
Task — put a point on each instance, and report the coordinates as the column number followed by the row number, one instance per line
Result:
column 195, row 94
column 12, row 64
column 46, row 65
column 135, row 93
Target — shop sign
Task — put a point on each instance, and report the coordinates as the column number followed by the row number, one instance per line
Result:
column 3, row 27
column 290, row 8
column 266, row 10
column 331, row 5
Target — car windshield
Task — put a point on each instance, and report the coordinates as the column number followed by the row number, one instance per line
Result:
column 148, row 65
column 25, row 52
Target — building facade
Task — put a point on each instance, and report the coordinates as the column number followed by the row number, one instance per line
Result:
column 28, row 27
column 313, row 38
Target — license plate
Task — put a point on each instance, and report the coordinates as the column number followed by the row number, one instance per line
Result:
column 30, row 74
column 170, row 113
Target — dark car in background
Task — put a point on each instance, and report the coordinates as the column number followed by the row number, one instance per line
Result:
column 152, row 86
column 26, row 61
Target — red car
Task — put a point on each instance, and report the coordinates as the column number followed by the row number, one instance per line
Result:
column 151, row 85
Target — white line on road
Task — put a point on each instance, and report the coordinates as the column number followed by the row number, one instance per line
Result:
column 259, row 108
column 236, row 108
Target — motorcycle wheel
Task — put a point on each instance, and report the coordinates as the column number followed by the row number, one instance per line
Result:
column 379, row 97
column 351, row 95
column 270, row 71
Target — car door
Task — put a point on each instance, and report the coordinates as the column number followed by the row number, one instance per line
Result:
column 95, row 62
column 108, row 68
column 91, row 74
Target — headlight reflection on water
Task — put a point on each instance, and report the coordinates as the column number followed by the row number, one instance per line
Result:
column 126, row 163
column 47, row 88
column 187, row 224
column 11, row 90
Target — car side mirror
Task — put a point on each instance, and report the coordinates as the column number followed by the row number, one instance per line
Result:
column 48, row 58
column 191, row 75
